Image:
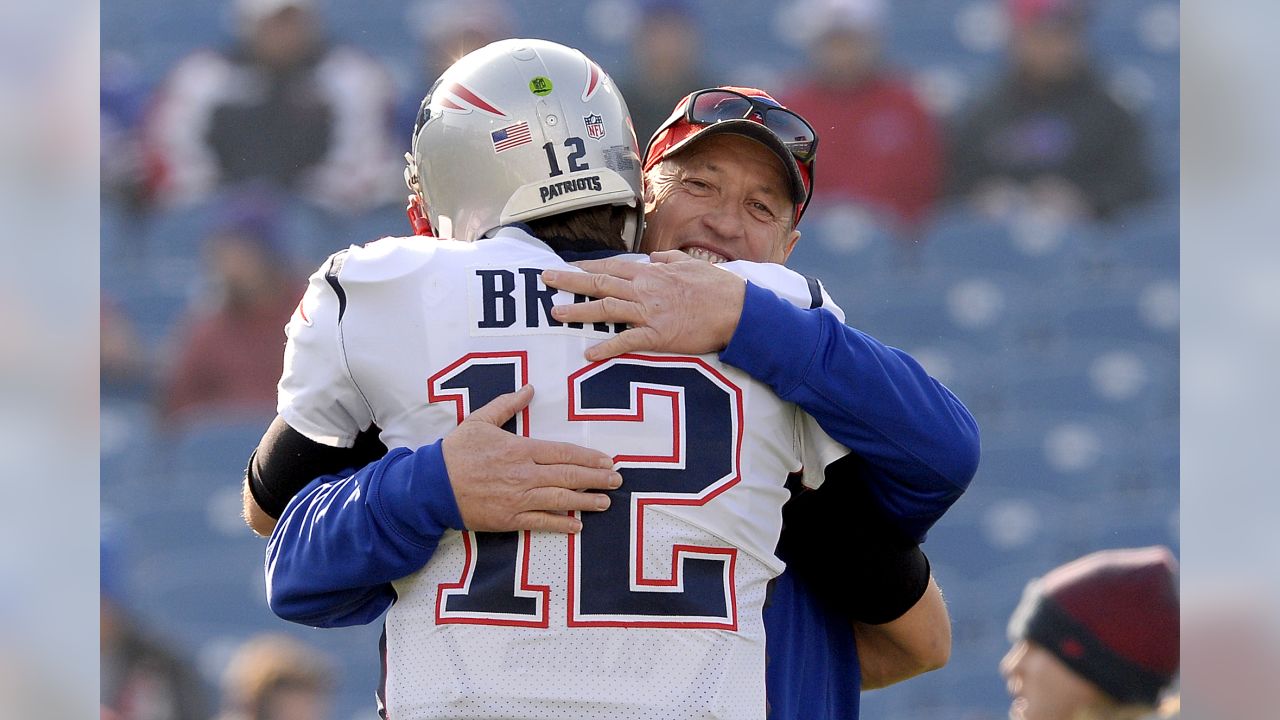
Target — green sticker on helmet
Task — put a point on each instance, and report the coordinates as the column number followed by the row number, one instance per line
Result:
column 540, row 86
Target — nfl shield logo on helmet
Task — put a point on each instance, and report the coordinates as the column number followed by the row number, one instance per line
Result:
column 595, row 126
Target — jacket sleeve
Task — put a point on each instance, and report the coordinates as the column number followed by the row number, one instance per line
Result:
column 344, row 538
column 918, row 442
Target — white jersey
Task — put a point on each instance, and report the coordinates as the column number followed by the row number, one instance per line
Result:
column 654, row 609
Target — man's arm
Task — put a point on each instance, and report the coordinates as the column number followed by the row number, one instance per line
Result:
column 254, row 516
column 285, row 461
column 914, row 644
column 918, row 441
column 843, row 550
column 501, row 481
column 343, row 539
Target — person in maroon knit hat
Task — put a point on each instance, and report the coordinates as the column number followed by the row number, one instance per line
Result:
column 1095, row 639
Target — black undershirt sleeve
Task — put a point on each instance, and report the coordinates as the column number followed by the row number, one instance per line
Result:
column 285, row 461
column 843, row 546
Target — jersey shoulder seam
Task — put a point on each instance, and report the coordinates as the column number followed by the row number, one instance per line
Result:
column 331, row 276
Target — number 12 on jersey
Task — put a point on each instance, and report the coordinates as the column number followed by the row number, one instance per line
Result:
column 608, row 583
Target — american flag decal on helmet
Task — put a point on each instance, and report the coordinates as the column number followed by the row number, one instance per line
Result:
column 511, row 136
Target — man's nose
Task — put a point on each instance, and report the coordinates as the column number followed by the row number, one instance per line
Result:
column 726, row 222
column 1012, row 659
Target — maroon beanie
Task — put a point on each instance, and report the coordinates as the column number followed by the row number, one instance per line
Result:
column 1112, row 617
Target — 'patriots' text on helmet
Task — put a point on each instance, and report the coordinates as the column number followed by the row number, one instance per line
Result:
column 520, row 130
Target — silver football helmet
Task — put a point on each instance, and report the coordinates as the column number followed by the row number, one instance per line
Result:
column 519, row 130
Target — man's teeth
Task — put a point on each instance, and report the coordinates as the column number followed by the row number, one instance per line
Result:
column 704, row 254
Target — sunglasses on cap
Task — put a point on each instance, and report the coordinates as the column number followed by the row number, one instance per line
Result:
column 708, row 107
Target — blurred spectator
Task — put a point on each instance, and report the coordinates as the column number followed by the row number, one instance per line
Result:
column 448, row 30
column 1096, row 638
column 1049, row 129
column 879, row 145
column 282, row 105
column 274, row 677
column 122, row 101
column 124, row 368
column 228, row 358
column 141, row 679
column 665, row 63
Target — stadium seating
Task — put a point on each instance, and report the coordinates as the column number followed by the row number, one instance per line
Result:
column 215, row 446
column 1121, row 378
column 1031, row 245
column 1131, row 310
column 154, row 306
column 1145, row 238
column 126, row 444
column 119, row 246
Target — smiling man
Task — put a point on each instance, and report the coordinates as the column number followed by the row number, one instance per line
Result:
column 727, row 178
column 688, row 214
column 737, row 188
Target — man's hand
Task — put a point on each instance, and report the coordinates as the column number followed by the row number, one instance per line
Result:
column 505, row 482
column 674, row 304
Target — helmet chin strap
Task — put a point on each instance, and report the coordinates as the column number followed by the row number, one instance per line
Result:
column 418, row 217
column 633, row 228
column 416, row 209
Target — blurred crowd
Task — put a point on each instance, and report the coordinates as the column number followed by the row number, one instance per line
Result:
column 281, row 120
column 228, row 176
column 145, row 676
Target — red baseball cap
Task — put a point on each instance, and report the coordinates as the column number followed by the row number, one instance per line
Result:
column 677, row 133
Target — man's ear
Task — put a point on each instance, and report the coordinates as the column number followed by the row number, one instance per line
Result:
column 790, row 245
column 650, row 197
